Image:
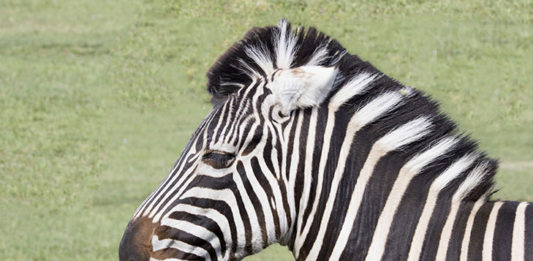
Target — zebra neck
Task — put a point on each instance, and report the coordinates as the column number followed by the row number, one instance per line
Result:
column 352, row 183
column 494, row 230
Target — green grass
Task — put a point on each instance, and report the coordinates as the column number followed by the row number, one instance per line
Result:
column 98, row 98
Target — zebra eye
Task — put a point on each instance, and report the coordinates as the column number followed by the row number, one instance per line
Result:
column 218, row 159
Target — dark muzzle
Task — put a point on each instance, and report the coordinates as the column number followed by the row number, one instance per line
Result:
column 136, row 243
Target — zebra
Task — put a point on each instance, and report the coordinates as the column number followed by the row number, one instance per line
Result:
column 312, row 147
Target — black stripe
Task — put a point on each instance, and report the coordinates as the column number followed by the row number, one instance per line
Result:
column 319, row 142
column 379, row 184
column 219, row 115
column 255, row 201
column 408, row 213
column 201, row 221
column 159, row 192
column 357, row 156
column 304, row 131
column 435, row 226
column 256, row 139
column 458, row 231
column 336, row 139
column 221, row 207
column 188, row 237
column 174, row 253
column 475, row 249
column 503, row 232
column 171, row 191
column 260, row 176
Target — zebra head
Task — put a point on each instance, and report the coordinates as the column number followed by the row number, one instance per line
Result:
column 314, row 148
column 231, row 192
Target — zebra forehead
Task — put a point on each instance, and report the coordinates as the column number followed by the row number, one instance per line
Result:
column 264, row 50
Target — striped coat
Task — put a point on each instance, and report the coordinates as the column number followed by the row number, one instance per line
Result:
column 312, row 147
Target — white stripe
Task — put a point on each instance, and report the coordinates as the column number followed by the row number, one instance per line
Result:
column 406, row 174
column 519, row 229
column 318, row 56
column 189, row 149
column 259, row 55
column 240, row 121
column 355, row 86
column 173, row 176
column 377, row 107
column 284, row 144
column 218, row 136
column 295, row 158
column 179, row 245
column 372, row 111
column 210, row 213
column 252, row 214
column 310, row 147
column 272, row 178
column 395, row 139
column 284, row 46
column 281, row 167
column 306, row 226
column 157, row 212
column 471, row 180
column 197, row 231
column 227, row 196
column 263, row 200
column 447, row 232
column 407, row 133
column 222, row 116
column 246, row 67
column 488, row 240
column 278, row 198
column 236, row 121
column 451, row 173
column 468, row 230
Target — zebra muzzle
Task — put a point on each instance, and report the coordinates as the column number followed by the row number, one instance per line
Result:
column 136, row 241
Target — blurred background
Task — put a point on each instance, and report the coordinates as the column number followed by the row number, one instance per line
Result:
column 98, row 98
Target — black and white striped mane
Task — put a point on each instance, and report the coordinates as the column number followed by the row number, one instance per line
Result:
column 264, row 50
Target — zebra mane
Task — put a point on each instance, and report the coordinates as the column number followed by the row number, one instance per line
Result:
column 264, row 50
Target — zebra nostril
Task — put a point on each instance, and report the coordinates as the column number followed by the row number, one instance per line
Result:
column 136, row 242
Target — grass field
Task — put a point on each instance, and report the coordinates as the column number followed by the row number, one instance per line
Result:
column 97, row 98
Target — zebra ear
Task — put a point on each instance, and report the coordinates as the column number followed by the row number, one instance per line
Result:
column 302, row 87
